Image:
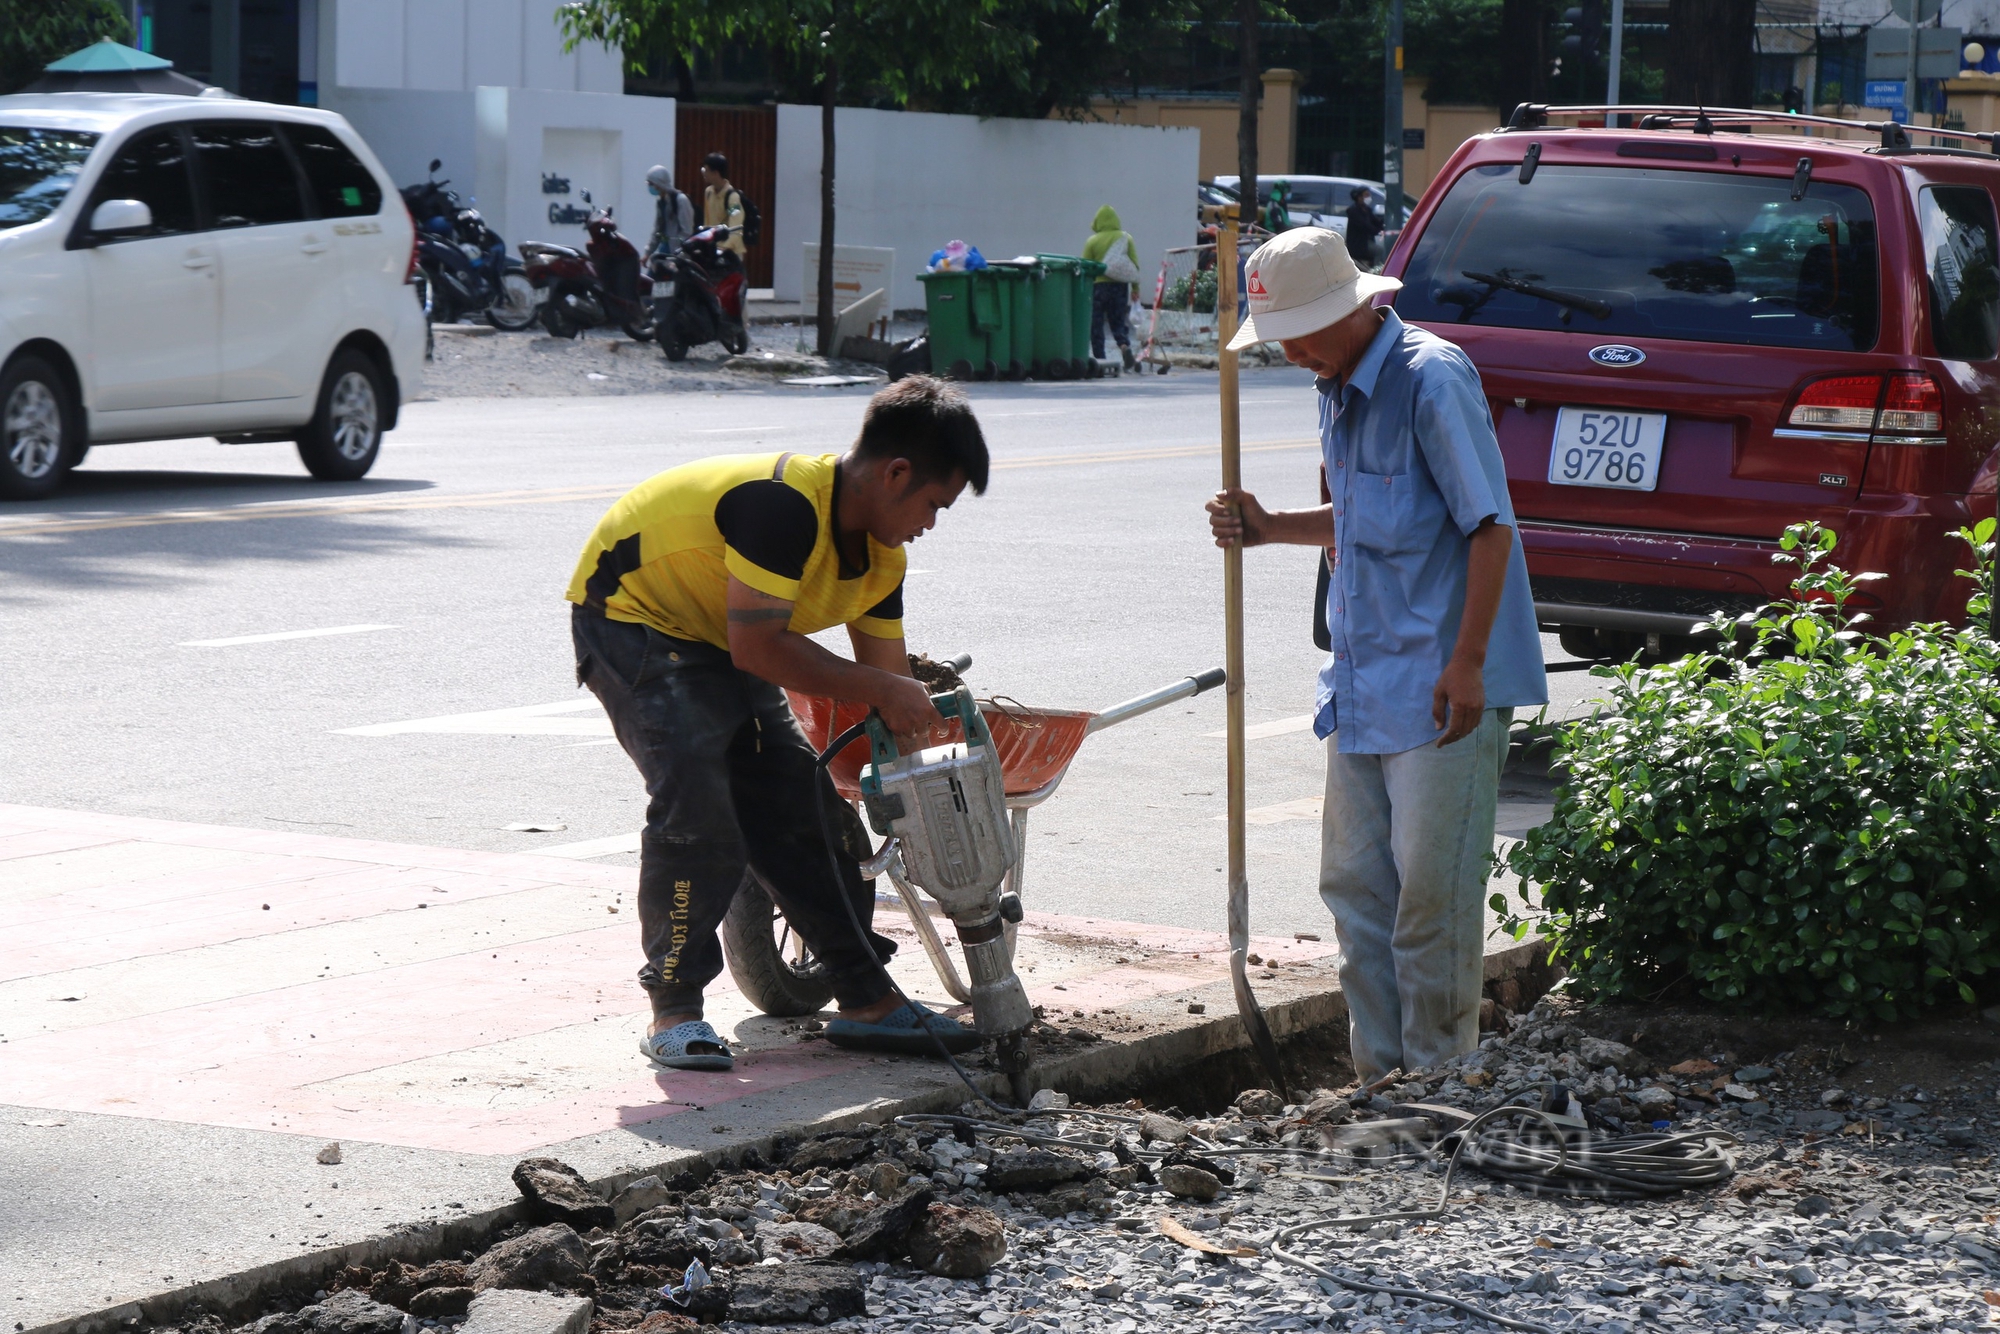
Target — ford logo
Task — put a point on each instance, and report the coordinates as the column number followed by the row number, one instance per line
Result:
column 1616, row 354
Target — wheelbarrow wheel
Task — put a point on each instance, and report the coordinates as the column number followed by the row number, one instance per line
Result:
column 771, row 965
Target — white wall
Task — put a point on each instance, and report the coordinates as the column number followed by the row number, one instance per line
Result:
column 458, row 44
column 496, row 143
column 914, row 180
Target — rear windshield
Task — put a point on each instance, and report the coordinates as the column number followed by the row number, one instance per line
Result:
column 1646, row 253
column 37, row 168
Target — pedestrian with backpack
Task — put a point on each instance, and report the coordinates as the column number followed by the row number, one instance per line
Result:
column 723, row 205
column 1116, row 288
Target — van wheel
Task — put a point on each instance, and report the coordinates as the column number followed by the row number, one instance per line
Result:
column 345, row 434
column 38, row 428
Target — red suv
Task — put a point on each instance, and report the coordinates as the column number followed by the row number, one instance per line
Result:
column 1693, row 335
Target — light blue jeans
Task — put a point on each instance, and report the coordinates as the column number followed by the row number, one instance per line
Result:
column 1403, row 858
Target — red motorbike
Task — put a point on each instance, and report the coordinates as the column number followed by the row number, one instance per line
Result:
column 698, row 295
column 581, row 289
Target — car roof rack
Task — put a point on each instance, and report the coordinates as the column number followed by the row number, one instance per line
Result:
column 1894, row 136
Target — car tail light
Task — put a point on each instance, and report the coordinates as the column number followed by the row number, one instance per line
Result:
column 1913, row 406
column 1839, row 402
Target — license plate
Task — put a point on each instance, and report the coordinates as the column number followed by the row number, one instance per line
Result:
column 663, row 288
column 1600, row 447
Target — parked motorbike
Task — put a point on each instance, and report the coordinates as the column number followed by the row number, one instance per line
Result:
column 462, row 264
column 697, row 295
column 581, row 289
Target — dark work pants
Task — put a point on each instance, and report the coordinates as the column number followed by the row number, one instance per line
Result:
column 731, row 783
column 1109, row 304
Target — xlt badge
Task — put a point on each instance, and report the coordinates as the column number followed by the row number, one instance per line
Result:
column 1833, row 479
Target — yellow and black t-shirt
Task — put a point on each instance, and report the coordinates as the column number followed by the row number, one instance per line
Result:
column 662, row 555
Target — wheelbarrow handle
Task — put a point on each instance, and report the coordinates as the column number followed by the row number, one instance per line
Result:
column 1185, row 688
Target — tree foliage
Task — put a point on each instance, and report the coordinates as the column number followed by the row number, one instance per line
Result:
column 35, row 32
column 1808, row 825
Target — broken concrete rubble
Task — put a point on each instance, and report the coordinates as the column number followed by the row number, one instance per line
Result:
column 346, row 1312
column 511, row 1312
column 557, row 1193
column 955, row 1242
column 796, row 1294
column 552, row 1256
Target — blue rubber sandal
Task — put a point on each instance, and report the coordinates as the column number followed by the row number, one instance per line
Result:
column 671, row 1048
column 902, row 1031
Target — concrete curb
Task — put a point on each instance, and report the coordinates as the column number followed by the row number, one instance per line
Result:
column 1095, row 1073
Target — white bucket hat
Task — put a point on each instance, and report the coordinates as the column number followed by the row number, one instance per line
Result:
column 1301, row 281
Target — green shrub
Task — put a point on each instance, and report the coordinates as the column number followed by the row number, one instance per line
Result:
column 1802, row 821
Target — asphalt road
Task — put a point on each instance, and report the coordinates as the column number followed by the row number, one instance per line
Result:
column 1083, row 577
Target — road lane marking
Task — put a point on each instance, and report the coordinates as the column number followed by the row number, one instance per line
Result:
column 282, row 634
column 1276, row 727
column 527, row 720
column 319, row 509
column 592, row 847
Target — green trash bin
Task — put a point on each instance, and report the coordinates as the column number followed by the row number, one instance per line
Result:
column 1070, row 341
column 1055, row 322
column 963, row 310
column 1020, row 281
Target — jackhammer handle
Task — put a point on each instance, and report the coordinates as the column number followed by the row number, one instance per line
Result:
column 1210, row 679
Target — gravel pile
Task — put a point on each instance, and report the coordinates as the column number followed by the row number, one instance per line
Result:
column 1846, row 1210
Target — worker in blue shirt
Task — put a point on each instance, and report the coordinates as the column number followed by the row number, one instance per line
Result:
column 1434, row 642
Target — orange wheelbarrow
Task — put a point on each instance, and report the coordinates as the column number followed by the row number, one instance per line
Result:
column 773, row 967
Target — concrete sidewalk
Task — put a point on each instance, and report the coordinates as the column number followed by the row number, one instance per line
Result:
column 189, row 1013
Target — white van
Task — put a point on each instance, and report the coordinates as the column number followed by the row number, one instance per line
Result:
column 176, row 266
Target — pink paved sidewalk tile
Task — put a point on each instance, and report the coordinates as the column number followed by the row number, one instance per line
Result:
column 327, row 1054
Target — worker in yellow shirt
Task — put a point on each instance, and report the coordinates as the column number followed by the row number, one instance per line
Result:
column 721, row 202
column 695, row 597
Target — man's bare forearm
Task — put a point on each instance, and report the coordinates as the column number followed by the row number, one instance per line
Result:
column 1492, row 547
column 797, row 663
column 1299, row 528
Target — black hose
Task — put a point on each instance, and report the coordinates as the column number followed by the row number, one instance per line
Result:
column 833, row 748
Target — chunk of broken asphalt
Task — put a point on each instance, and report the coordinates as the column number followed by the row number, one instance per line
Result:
column 557, row 1193
column 1190, row 1183
column 345, row 1312
column 957, row 1242
column 795, row 1294
column 796, row 1241
column 831, row 1151
column 641, row 1196
column 881, row 1231
column 437, row 1303
column 544, row 1257
column 1033, row 1169
column 505, row 1312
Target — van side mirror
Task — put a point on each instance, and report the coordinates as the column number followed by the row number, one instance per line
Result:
column 116, row 217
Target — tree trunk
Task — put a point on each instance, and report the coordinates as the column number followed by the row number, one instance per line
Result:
column 1523, row 67
column 1711, row 48
column 829, row 88
column 684, row 79
column 1252, row 88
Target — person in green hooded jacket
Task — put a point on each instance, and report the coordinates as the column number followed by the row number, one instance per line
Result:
column 1116, row 288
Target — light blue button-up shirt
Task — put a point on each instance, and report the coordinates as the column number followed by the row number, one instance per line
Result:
column 1414, row 469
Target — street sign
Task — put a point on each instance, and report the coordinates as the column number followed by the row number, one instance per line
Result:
column 1937, row 53
column 1883, row 93
column 1927, row 10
